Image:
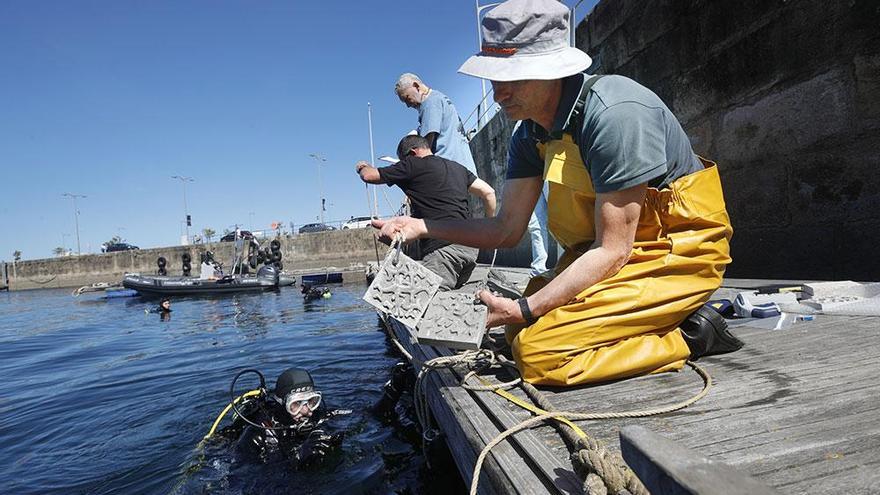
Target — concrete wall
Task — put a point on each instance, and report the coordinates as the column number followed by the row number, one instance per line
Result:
column 341, row 249
column 785, row 96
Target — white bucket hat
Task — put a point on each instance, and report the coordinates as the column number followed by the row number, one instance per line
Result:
column 526, row 39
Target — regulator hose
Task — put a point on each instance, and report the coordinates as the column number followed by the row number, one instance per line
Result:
column 262, row 390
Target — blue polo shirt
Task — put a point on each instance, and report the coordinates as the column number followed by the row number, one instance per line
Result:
column 438, row 114
column 628, row 137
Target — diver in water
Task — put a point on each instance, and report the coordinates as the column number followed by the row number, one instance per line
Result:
column 163, row 309
column 312, row 293
column 285, row 424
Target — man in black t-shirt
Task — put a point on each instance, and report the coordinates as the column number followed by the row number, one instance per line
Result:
column 438, row 190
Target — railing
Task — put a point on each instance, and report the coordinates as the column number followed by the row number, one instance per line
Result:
column 482, row 116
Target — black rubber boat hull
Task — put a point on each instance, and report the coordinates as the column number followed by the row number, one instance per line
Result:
column 266, row 279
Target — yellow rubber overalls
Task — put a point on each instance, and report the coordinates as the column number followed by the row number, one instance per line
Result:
column 626, row 324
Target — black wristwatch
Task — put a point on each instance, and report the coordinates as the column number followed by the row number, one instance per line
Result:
column 526, row 312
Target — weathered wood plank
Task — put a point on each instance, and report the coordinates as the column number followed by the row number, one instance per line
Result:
column 666, row 467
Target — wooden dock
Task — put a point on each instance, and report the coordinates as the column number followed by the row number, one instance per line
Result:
column 797, row 409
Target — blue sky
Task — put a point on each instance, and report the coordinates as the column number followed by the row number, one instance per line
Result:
column 111, row 98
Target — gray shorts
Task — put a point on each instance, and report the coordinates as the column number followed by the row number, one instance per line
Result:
column 454, row 263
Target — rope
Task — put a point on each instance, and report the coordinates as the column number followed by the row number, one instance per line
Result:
column 601, row 469
column 38, row 282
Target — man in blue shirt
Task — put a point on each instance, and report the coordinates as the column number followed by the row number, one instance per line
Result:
column 439, row 121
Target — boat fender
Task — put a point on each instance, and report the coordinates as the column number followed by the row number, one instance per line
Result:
column 187, row 269
column 187, row 258
column 279, row 265
column 161, row 262
column 275, row 245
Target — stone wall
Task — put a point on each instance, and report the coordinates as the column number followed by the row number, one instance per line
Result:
column 785, row 96
column 340, row 249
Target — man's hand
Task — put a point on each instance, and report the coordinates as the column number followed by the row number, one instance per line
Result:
column 359, row 165
column 501, row 310
column 411, row 228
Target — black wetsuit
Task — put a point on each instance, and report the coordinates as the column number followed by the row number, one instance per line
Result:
column 301, row 446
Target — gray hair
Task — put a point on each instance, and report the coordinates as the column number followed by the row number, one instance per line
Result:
column 406, row 79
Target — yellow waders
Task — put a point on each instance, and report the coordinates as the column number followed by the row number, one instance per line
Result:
column 627, row 324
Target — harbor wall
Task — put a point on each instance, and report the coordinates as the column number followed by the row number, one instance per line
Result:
column 347, row 249
column 784, row 95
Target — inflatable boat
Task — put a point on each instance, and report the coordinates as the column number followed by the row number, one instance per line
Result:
column 267, row 278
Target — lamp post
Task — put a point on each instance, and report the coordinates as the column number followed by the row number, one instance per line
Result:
column 375, row 211
column 320, row 159
column 480, row 9
column 76, row 216
column 572, row 23
column 183, row 180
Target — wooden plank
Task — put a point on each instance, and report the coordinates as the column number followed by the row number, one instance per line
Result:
column 666, row 467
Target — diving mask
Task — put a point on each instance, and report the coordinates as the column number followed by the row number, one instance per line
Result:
column 295, row 402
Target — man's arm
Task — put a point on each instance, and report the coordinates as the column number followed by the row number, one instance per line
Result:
column 368, row 173
column 485, row 192
column 503, row 230
column 617, row 217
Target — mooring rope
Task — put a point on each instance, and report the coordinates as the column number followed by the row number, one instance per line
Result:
column 602, row 470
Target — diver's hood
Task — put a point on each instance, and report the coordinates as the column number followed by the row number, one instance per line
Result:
column 293, row 380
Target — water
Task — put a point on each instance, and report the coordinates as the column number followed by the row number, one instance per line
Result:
column 99, row 397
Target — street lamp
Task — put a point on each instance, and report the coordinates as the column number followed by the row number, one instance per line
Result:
column 76, row 216
column 572, row 23
column 318, row 158
column 479, row 48
column 183, row 180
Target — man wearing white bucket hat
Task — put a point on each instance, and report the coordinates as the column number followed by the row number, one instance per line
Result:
column 641, row 217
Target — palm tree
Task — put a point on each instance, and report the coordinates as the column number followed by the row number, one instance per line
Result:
column 58, row 251
column 209, row 233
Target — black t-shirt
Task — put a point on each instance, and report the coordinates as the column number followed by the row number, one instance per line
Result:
column 436, row 187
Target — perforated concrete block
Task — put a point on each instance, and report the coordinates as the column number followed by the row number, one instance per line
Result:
column 402, row 289
column 454, row 320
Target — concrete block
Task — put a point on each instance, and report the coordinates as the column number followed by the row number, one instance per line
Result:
column 403, row 288
column 841, row 288
column 454, row 320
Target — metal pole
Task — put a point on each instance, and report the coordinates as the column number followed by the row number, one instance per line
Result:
column 482, row 81
column 481, row 115
column 375, row 211
column 184, row 180
column 76, row 217
column 318, row 158
column 572, row 23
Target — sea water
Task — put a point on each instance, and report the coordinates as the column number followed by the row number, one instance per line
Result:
column 98, row 396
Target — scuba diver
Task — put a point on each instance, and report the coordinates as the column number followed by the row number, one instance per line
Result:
column 286, row 424
column 312, row 293
column 163, row 309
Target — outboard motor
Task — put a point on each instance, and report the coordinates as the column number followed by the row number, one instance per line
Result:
column 269, row 272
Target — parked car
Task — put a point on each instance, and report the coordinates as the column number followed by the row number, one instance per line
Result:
column 245, row 234
column 118, row 246
column 315, row 227
column 357, row 223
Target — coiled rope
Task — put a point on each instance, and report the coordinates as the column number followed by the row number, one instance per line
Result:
column 602, row 470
